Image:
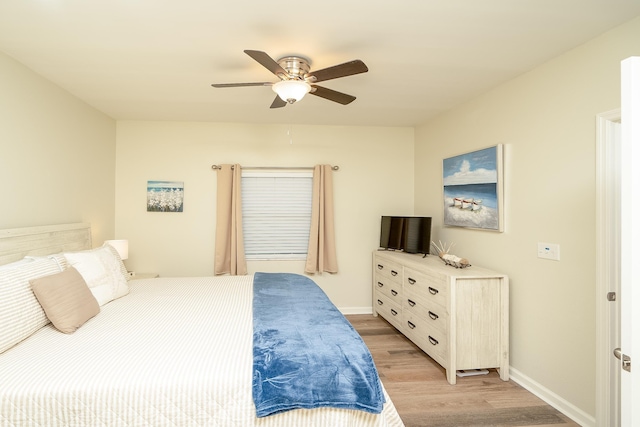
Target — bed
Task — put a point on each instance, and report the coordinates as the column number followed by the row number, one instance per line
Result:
column 163, row 352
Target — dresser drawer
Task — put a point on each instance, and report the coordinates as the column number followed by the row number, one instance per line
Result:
column 389, row 269
column 388, row 309
column 431, row 340
column 432, row 287
column 434, row 315
column 389, row 287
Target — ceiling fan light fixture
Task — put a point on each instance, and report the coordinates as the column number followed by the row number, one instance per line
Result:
column 291, row 90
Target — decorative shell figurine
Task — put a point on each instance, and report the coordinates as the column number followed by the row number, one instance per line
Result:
column 450, row 259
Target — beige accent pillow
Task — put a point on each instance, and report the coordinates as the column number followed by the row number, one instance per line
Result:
column 66, row 299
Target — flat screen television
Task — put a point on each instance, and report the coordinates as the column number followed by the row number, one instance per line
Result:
column 411, row 234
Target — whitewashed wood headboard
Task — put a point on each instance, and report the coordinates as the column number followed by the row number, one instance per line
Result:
column 16, row 243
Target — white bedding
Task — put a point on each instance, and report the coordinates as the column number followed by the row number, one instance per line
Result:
column 174, row 352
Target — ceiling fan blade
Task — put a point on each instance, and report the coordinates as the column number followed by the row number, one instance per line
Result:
column 278, row 103
column 332, row 95
column 241, row 84
column 347, row 69
column 267, row 62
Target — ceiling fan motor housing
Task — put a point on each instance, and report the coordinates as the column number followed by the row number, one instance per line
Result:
column 296, row 66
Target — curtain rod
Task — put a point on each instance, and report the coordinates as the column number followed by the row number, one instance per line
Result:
column 216, row 167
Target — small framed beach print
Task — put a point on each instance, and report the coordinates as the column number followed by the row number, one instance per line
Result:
column 165, row 196
column 473, row 189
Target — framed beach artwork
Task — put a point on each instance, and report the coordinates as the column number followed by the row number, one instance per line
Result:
column 473, row 189
column 165, row 196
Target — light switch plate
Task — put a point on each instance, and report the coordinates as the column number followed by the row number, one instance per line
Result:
column 549, row 251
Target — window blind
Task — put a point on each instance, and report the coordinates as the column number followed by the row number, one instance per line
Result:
column 276, row 214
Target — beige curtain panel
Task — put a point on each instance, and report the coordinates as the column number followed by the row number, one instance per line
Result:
column 321, row 255
column 229, row 255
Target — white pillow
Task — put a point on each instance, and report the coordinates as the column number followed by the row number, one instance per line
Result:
column 16, row 264
column 20, row 312
column 115, row 253
column 58, row 258
column 100, row 268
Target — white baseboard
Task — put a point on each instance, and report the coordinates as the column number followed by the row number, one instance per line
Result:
column 355, row 310
column 568, row 409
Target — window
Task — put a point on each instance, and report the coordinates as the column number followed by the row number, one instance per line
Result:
column 276, row 214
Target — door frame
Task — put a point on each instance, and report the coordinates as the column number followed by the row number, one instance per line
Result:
column 607, row 268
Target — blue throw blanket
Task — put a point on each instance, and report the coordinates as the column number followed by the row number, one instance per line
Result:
column 305, row 353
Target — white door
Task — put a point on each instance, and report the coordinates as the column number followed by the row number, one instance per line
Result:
column 630, row 240
column 608, row 268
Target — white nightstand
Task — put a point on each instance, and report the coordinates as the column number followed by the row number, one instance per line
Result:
column 137, row 276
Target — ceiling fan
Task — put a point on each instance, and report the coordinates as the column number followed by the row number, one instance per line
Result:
column 296, row 80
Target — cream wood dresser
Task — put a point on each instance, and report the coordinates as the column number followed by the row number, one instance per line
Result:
column 459, row 317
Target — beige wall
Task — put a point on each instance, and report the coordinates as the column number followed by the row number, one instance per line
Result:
column 375, row 178
column 546, row 119
column 57, row 155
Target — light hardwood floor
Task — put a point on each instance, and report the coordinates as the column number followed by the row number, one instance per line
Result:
column 419, row 389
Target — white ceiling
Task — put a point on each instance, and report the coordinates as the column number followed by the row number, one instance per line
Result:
column 156, row 59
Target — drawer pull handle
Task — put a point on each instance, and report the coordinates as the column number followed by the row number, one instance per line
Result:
column 395, row 313
column 394, row 273
column 433, row 315
column 411, row 325
column 380, row 302
column 433, row 341
column 411, row 303
column 380, row 284
column 411, row 281
column 433, row 291
column 380, row 266
column 394, row 293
